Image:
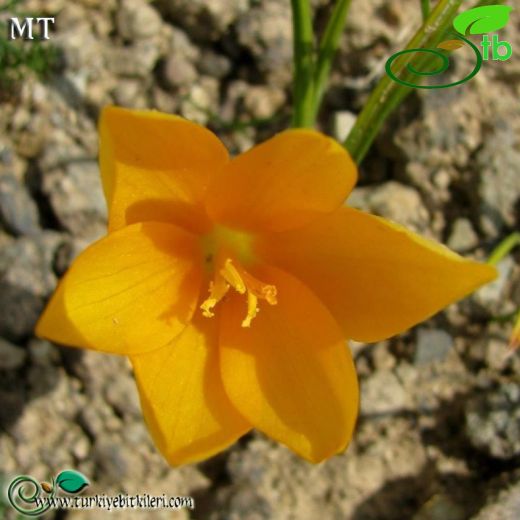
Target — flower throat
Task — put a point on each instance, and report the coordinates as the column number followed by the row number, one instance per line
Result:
column 226, row 252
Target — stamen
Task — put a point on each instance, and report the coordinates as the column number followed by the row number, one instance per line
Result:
column 252, row 309
column 261, row 290
column 217, row 291
column 232, row 274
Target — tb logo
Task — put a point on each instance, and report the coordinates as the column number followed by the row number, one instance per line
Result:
column 486, row 19
column 480, row 20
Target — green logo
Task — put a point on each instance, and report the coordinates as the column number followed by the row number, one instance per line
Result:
column 32, row 498
column 480, row 20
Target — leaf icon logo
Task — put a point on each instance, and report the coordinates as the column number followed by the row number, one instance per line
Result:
column 450, row 45
column 46, row 487
column 71, row 481
column 481, row 20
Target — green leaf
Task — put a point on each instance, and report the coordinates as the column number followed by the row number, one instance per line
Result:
column 388, row 94
column 481, row 20
column 504, row 248
column 425, row 9
column 303, row 58
column 327, row 50
column 71, row 481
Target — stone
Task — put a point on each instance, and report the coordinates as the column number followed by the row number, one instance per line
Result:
column 362, row 35
column 11, row 164
column 45, row 6
column 492, row 421
column 18, row 211
column 122, row 395
column 214, row 64
column 268, row 481
column 62, row 149
column 382, row 393
column 137, row 19
column 463, row 236
column 76, row 197
column 432, row 345
column 66, row 252
column 499, row 188
column 11, row 356
column 178, row 72
column 493, row 294
column 266, row 32
column 113, row 460
column 441, row 507
column 179, row 44
column 497, row 356
column 381, row 357
column 45, row 367
column 204, row 20
column 97, row 94
column 399, row 203
column 263, row 102
column 81, row 448
column 453, row 144
column 505, row 506
column 43, row 353
column 81, row 49
column 129, row 93
column 164, row 101
column 201, row 102
column 26, row 280
column 343, row 122
column 135, row 61
column 359, row 198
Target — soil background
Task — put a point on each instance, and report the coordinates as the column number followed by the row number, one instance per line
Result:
column 439, row 432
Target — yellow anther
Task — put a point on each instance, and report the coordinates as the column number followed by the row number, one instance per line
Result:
column 261, row 290
column 217, row 291
column 252, row 309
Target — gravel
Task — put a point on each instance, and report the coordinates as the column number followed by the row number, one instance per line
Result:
column 438, row 436
column 493, row 421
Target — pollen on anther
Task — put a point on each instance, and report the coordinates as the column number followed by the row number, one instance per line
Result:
column 235, row 276
column 252, row 309
column 217, row 291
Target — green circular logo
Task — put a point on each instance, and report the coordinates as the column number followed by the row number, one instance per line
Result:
column 411, row 71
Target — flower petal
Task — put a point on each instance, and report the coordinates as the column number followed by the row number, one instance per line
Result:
column 156, row 167
column 283, row 183
column 376, row 278
column 186, row 409
column 130, row 292
column 290, row 374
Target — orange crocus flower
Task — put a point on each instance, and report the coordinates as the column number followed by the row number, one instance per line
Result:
column 291, row 275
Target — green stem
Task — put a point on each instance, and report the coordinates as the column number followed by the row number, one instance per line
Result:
column 303, row 48
column 425, row 9
column 328, row 46
column 504, row 248
column 388, row 94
